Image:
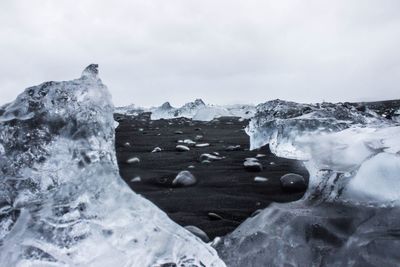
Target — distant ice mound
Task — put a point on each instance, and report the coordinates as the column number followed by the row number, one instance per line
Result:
column 130, row 110
column 200, row 111
column 189, row 109
column 62, row 202
column 349, row 215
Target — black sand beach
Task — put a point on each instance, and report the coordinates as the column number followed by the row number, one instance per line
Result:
column 223, row 187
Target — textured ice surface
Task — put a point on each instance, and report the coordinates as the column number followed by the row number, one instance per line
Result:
column 349, row 214
column 62, row 202
column 282, row 124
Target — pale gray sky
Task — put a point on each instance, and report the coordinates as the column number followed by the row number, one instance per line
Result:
column 224, row 51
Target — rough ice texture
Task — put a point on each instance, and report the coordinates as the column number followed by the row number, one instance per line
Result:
column 62, row 202
column 334, row 137
column 281, row 123
column 349, row 214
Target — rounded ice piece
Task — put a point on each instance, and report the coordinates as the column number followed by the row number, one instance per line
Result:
column 198, row 232
column 184, row 178
column 293, row 182
column 133, row 160
column 182, row 148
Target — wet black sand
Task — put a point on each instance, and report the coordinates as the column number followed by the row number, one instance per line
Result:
column 224, row 187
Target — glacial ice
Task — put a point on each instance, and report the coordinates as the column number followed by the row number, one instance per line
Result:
column 349, row 214
column 198, row 111
column 62, row 201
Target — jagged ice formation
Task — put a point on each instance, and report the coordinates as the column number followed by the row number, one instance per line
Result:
column 62, row 201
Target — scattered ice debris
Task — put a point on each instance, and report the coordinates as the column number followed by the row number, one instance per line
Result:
column 140, row 129
column 133, row 160
column 256, row 213
column 259, row 179
column 272, row 163
column 206, row 161
column 209, row 157
column 136, row 179
column 156, row 150
column 253, row 165
column 191, row 167
column 189, row 142
column 217, row 240
column 292, row 182
column 198, row 137
column 184, row 178
column 198, row 232
column 233, row 148
column 202, row 145
column 182, row 148
column 127, row 144
column 178, row 132
column 214, row 216
column 260, row 155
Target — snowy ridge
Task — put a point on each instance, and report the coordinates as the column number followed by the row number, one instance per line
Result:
column 62, row 201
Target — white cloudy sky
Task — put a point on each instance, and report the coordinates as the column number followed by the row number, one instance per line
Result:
column 224, row 51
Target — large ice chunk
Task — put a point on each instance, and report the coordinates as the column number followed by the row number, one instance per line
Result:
column 62, row 202
column 349, row 214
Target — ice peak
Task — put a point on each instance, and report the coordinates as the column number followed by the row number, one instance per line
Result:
column 90, row 71
column 166, row 105
column 199, row 102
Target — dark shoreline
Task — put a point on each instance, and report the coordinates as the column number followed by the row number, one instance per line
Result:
column 224, row 187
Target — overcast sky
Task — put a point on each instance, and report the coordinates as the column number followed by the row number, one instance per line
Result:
column 224, row 51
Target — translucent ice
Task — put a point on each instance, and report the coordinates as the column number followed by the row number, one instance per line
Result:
column 349, row 214
column 62, row 202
